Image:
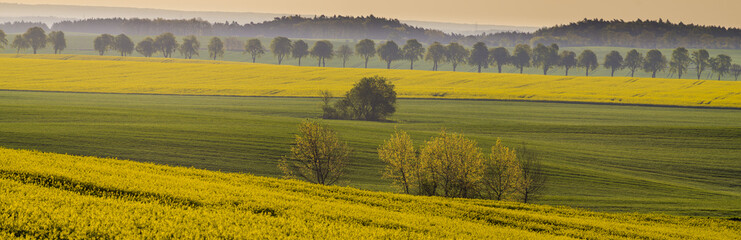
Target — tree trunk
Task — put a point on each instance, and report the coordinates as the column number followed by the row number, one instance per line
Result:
column 567, row 71
column 388, row 64
column 324, row 63
column 632, row 72
column 366, row 62
column 612, row 74
column 299, row 61
column 479, row 68
column 521, row 69
column 320, row 63
column 499, row 67
column 587, row 71
column 34, row 50
column 411, row 64
column 343, row 63
column 653, row 75
column 454, row 66
column 545, row 71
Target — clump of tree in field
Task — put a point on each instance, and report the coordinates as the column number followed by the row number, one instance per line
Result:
column 371, row 99
column 451, row 165
column 317, row 155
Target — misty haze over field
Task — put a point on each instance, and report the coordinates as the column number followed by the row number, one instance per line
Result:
column 50, row 14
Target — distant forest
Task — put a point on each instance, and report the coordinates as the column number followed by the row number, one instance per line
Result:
column 597, row 32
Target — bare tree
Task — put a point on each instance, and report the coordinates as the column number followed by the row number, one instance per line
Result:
column 532, row 178
column 317, row 156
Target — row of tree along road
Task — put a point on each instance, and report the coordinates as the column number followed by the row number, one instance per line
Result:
column 480, row 56
column 448, row 165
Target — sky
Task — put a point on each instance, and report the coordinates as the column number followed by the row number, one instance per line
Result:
column 517, row 13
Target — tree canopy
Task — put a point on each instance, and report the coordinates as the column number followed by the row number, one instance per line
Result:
column 389, row 52
column 123, row 44
column 366, row 48
column 215, row 48
column 281, row 48
column 254, row 48
column 412, row 51
column 588, row 60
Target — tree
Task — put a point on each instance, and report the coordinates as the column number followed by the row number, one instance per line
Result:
column 389, row 52
column 254, row 48
column 36, row 38
column 322, row 50
column 366, row 48
column 567, row 60
column 680, row 61
column 3, row 40
column 344, row 52
column 317, row 155
column 736, row 71
column 499, row 57
column 720, row 65
column 654, row 62
column 55, row 38
column 401, row 160
column 413, row 51
column 588, row 60
column 455, row 54
column 453, row 166
column 166, row 44
column 501, row 172
column 701, row 60
column 436, row 54
column 189, row 47
column 281, row 47
column 545, row 57
column 20, row 43
column 215, row 48
column 479, row 56
column 103, row 43
column 300, row 49
column 614, row 62
column 123, row 44
column 146, row 47
column 371, row 99
column 532, row 178
column 521, row 56
column 633, row 61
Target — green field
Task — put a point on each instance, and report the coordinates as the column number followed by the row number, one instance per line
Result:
column 83, row 44
column 601, row 157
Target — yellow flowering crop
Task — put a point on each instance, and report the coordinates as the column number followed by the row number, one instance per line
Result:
column 57, row 196
column 200, row 77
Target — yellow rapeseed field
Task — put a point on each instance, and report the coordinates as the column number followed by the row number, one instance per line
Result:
column 57, row 196
column 198, row 77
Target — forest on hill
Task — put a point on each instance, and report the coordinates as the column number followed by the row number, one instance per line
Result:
column 596, row 32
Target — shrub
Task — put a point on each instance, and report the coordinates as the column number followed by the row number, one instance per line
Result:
column 318, row 155
column 371, row 99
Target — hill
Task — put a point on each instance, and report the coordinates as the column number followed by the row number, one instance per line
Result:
column 197, row 77
column 62, row 196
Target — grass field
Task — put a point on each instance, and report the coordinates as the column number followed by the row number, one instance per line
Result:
column 54, row 196
column 172, row 76
column 599, row 157
column 83, row 44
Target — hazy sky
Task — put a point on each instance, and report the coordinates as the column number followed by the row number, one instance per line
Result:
column 514, row 12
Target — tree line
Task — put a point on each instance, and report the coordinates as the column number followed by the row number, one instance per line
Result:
column 587, row 32
column 544, row 57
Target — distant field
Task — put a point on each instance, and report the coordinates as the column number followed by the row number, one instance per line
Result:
column 54, row 196
column 196, row 77
column 599, row 157
column 83, row 44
